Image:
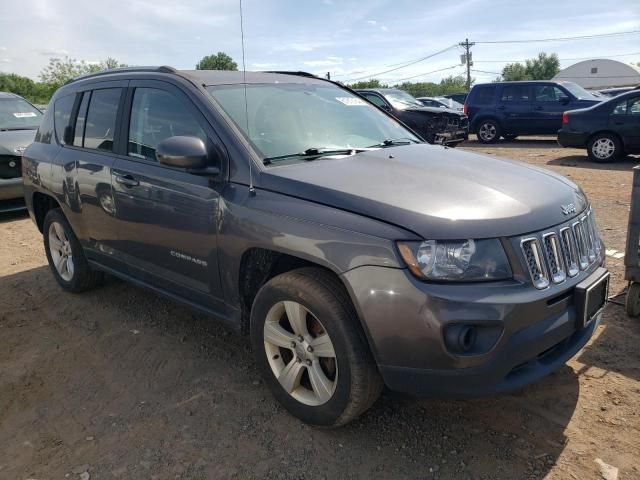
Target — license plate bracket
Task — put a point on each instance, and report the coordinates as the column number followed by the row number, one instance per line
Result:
column 591, row 296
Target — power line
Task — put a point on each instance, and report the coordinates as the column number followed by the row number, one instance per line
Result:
column 562, row 59
column 562, row 39
column 403, row 66
column 426, row 73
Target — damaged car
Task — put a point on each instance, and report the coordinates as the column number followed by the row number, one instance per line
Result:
column 434, row 124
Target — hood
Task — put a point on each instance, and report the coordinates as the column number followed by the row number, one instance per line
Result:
column 433, row 191
column 434, row 110
column 12, row 139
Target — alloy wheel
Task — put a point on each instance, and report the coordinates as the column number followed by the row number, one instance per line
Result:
column 60, row 250
column 487, row 132
column 603, row 148
column 300, row 353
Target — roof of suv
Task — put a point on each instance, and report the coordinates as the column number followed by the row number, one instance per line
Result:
column 520, row 82
column 212, row 77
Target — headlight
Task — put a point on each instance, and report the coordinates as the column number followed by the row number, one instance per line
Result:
column 456, row 260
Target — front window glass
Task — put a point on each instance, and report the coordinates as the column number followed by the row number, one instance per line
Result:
column 548, row 93
column 579, row 92
column 18, row 114
column 401, row 100
column 634, row 107
column 155, row 116
column 621, row 108
column 285, row 119
column 62, row 114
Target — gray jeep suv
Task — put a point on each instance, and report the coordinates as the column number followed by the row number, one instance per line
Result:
column 350, row 253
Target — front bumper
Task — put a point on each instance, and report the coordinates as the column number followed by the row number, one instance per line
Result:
column 11, row 194
column 405, row 320
column 452, row 137
column 572, row 139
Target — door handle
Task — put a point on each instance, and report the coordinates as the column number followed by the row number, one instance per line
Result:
column 501, row 107
column 538, row 108
column 618, row 123
column 126, row 180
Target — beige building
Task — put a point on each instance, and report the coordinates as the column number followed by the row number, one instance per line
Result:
column 601, row 73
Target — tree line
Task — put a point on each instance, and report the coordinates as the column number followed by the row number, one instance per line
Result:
column 60, row 70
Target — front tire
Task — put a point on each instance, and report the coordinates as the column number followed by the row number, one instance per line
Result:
column 311, row 350
column 66, row 256
column 604, row 148
column 489, row 131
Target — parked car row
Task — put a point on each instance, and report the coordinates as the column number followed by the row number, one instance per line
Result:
column 19, row 121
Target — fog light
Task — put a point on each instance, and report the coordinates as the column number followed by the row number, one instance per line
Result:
column 460, row 338
column 472, row 339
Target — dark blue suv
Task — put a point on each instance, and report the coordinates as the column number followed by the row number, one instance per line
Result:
column 509, row 109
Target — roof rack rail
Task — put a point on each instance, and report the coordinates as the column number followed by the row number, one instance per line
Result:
column 160, row 69
column 298, row 73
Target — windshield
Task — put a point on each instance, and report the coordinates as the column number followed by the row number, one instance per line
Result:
column 579, row 92
column 18, row 114
column 401, row 100
column 285, row 119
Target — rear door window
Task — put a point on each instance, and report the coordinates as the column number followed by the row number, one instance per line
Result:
column 62, row 115
column 484, row 95
column 80, row 121
column 101, row 119
column 515, row 94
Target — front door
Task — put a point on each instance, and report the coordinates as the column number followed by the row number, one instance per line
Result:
column 167, row 217
column 549, row 102
column 625, row 120
column 514, row 107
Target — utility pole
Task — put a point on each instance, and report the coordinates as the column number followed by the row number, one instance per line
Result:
column 468, row 59
column 328, row 75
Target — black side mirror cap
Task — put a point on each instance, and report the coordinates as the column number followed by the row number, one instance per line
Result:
column 182, row 152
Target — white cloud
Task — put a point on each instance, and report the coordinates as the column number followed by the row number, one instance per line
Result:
column 384, row 28
column 328, row 62
column 3, row 49
column 5, row 60
column 327, row 2
column 372, row 22
column 54, row 52
column 264, row 65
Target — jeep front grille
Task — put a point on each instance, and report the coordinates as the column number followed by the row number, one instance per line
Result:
column 552, row 256
column 569, row 251
column 535, row 263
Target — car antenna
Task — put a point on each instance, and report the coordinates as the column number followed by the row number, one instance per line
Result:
column 252, row 190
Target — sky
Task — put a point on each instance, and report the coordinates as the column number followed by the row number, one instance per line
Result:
column 350, row 39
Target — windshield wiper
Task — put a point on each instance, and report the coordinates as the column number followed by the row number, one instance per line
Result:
column 395, row 142
column 314, row 153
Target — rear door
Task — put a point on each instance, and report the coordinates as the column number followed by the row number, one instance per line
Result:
column 89, row 156
column 625, row 120
column 549, row 102
column 167, row 217
column 514, row 106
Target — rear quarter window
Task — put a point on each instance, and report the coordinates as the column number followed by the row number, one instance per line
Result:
column 484, row 95
column 62, row 114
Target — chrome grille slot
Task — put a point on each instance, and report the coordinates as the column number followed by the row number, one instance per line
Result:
column 593, row 230
column 553, row 255
column 583, row 253
column 569, row 251
column 535, row 263
column 588, row 238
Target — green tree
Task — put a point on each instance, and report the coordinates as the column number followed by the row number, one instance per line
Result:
column 447, row 85
column 35, row 92
column 542, row 67
column 61, row 70
column 373, row 83
column 219, row 61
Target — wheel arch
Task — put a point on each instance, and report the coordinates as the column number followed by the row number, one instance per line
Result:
column 42, row 204
column 609, row 132
column 478, row 120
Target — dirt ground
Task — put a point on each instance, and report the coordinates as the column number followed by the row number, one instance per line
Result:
column 118, row 383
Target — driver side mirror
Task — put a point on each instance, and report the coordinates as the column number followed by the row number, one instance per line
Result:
column 186, row 152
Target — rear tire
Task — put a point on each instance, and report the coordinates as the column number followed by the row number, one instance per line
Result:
column 632, row 304
column 311, row 350
column 604, row 148
column 66, row 256
column 489, row 131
